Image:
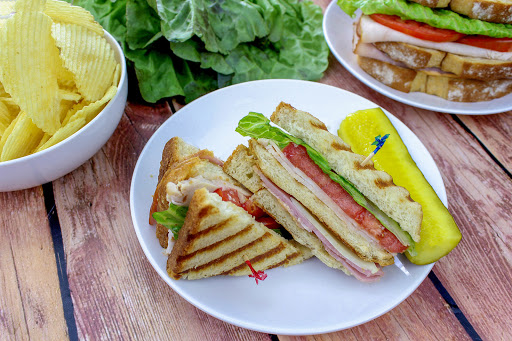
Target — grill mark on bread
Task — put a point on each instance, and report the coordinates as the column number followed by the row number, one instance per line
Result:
column 337, row 146
column 270, row 253
column 205, row 211
column 208, row 230
column 231, row 254
column 318, row 125
column 239, row 234
column 286, row 260
column 357, row 165
column 383, row 184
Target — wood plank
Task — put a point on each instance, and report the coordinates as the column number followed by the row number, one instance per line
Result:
column 116, row 292
column 495, row 132
column 30, row 301
column 422, row 316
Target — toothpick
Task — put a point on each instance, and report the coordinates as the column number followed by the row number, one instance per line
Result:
column 257, row 275
column 379, row 142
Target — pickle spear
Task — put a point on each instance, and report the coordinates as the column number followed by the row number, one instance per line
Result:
column 439, row 232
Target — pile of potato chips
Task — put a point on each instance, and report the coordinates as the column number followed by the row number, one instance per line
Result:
column 57, row 72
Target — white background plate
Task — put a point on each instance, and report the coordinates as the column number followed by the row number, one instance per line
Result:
column 338, row 30
column 309, row 298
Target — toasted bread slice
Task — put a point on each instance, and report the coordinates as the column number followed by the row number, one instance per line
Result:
column 447, row 86
column 354, row 240
column 396, row 77
column 240, row 165
column 412, row 56
column 477, row 68
column 375, row 185
column 433, row 3
column 498, row 11
column 216, row 238
column 177, row 150
column 416, row 57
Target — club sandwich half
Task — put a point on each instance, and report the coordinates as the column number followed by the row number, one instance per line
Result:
column 352, row 217
column 206, row 212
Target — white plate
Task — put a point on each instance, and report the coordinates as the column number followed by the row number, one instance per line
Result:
column 338, row 29
column 309, row 298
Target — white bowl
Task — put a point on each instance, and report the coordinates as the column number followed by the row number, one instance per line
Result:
column 60, row 159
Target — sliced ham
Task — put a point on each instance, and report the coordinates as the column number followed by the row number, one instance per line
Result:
column 370, row 273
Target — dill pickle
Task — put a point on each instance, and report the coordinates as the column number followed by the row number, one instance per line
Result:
column 439, row 232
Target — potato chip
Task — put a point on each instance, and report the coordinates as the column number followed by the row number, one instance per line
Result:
column 117, row 75
column 72, row 111
column 6, row 117
column 11, row 105
column 7, row 132
column 88, row 56
column 27, row 64
column 75, row 123
column 22, row 140
column 69, row 95
column 63, row 12
column 2, row 91
column 93, row 109
column 44, row 139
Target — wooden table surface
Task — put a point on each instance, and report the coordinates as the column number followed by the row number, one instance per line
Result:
column 71, row 265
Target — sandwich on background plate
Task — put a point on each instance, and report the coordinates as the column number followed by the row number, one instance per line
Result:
column 352, row 217
column 216, row 227
column 460, row 50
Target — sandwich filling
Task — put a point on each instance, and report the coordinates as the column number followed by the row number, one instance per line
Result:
column 180, row 194
column 296, row 161
column 369, row 31
column 312, row 170
column 362, row 270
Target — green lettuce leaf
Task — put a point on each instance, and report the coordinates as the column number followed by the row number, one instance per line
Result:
column 257, row 126
column 142, row 24
column 155, row 73
column 221, row 24
column 294, row 49
column 172, row 218
column 441, row 18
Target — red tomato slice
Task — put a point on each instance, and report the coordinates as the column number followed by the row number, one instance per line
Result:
column 252, row 209
column 496, row 44
column 417, row 29
column 269, row 222
column 229, row 194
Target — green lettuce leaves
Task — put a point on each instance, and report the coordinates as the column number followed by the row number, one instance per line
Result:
column 257, row 126
column 190, row 47
column 441, row 18
column 173, row 218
